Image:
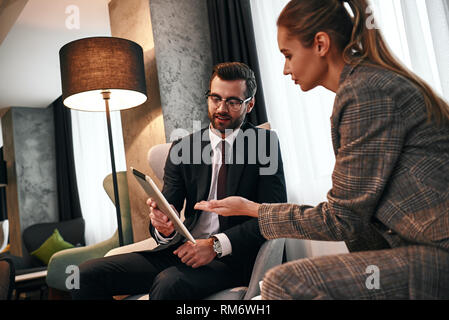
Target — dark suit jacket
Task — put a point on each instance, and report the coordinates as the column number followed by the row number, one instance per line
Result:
column 191, row 179
column 391, row 177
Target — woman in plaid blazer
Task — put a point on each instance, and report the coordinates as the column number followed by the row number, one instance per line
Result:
column 390, row 186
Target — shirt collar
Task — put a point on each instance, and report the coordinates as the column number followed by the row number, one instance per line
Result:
column 215, row 139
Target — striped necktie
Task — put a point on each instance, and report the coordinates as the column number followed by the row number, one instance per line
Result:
column 221, row 183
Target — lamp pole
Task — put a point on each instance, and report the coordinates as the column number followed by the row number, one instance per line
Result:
column 106, row 97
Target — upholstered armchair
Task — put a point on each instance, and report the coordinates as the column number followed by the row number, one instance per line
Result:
column 56, row 272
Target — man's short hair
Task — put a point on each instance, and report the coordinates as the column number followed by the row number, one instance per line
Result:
column 230, row 71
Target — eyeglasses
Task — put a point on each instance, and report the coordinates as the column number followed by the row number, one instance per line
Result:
column 233, row 104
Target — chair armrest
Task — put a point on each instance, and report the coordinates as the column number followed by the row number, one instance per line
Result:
column 31, row 275
column 56, row 275
column 144, row 245
column 30, row 270
column 269, row 256
column 20, row 263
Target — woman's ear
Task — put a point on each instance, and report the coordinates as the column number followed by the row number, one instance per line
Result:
column 322, row 44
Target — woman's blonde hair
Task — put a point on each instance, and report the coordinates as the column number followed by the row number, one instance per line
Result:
column 357, row 37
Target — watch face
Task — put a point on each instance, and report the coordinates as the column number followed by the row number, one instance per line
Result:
column 217, row 246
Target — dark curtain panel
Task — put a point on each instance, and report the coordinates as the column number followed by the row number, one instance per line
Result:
column 68, row 198
column 3, row 212
column 232, row 39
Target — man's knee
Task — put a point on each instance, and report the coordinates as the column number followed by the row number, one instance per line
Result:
column 94, row 275
column 88, row 279
column 170, row 284
column 90, row 270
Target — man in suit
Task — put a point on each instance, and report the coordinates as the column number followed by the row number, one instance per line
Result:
column 226, row 158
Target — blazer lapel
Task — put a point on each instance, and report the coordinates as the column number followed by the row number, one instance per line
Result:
column 234, row 173
column 204, row 171
column 335, row 137
column 235, row 170
column 233, row 178
column 337, row 109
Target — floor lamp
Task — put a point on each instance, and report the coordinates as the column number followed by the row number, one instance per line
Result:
column 103, row 74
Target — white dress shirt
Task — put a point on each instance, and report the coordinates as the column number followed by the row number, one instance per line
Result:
column 208, row 224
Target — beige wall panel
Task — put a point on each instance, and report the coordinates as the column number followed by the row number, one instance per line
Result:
column 143, row 127
column 12, row 198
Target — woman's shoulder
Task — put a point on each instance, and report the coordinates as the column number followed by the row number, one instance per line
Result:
column 365, row 83
column 374, row 91
column 376, row 78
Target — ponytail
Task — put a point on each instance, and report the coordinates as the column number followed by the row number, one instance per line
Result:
column 359, row 42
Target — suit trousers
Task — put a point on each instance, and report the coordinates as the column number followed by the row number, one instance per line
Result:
column 411, row 272
column 159, row 273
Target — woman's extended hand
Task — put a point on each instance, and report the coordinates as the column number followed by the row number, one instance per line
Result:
column 232, row 206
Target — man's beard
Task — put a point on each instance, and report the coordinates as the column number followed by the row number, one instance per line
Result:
column 232, row 124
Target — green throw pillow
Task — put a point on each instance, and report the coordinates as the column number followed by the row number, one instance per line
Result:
column 52, row 245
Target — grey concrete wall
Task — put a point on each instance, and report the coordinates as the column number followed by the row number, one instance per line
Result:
column 184, row 60
column 35, row 159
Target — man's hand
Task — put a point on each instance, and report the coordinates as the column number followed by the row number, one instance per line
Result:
column 197, row 255
column 159, row 220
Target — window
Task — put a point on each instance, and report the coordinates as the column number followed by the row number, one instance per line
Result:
column 417, row 32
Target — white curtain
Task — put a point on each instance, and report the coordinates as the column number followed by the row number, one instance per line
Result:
column 93, row 164
column 302, row 119
column 417, row 31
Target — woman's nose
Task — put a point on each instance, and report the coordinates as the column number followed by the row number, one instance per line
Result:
column 286, row 69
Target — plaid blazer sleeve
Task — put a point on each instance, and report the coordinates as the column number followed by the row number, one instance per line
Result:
column 368, row 136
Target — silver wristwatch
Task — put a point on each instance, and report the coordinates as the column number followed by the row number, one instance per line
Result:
column 217, row 247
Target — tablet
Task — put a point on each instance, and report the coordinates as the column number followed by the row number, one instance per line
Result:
column 153, row 191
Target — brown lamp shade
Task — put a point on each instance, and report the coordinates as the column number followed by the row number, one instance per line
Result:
column 91, row 66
